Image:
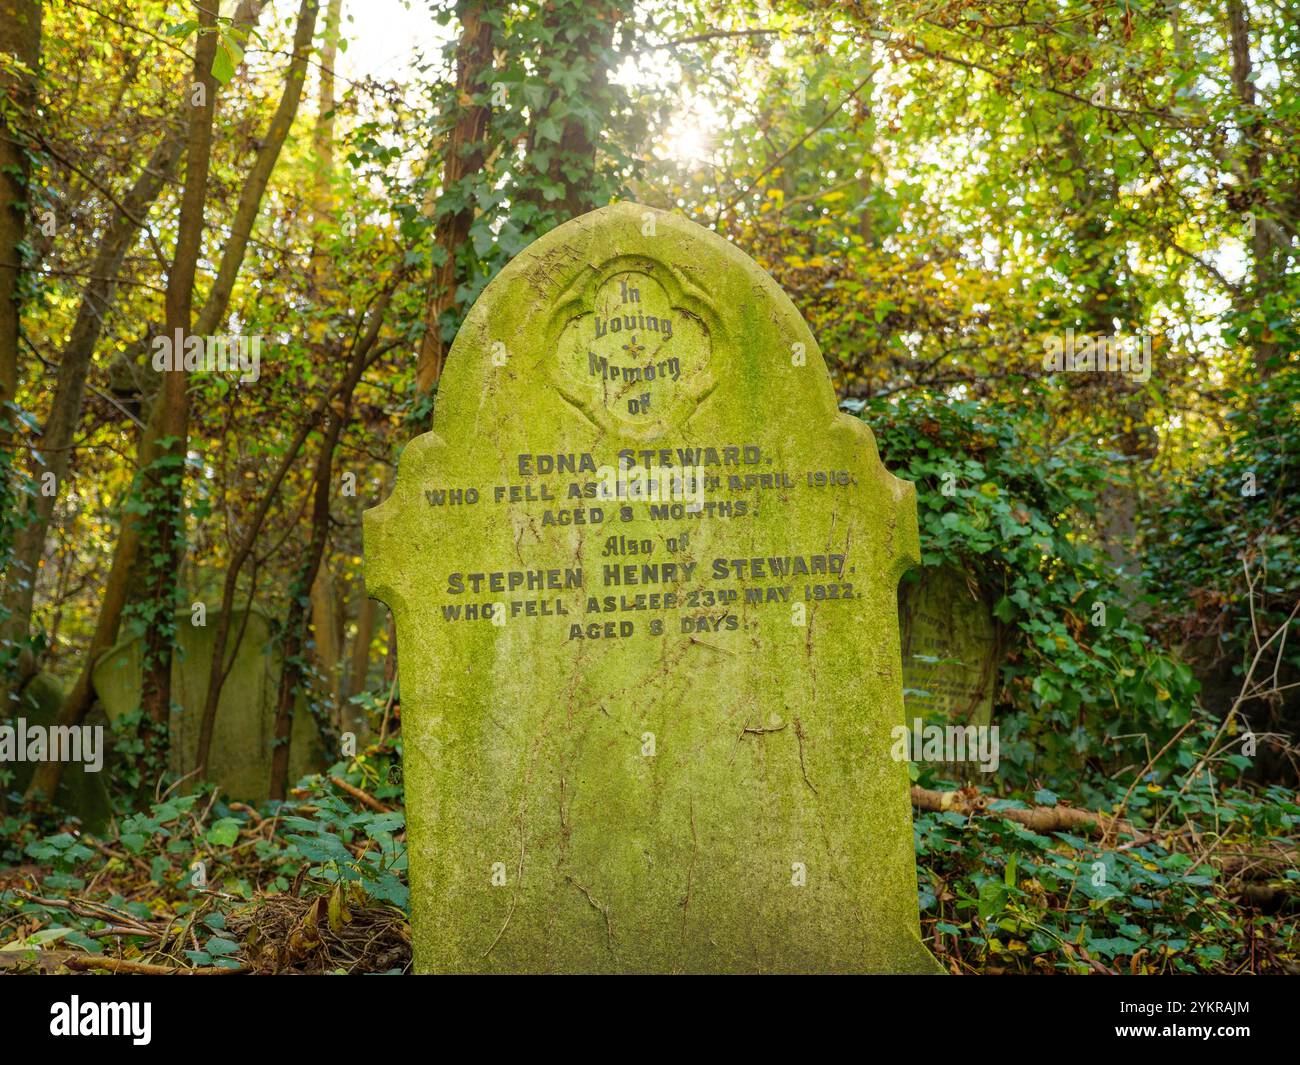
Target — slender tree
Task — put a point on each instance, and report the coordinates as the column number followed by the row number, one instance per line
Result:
column 20, row 49
column 462, row 160
column 164, row 479
column 295, row 632
column 1264, row 242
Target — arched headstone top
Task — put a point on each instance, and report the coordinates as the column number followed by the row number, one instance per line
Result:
column 635, row 324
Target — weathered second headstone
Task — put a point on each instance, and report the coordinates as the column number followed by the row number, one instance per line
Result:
column 244, row 731
column 648, row 734
column 83, row 788
column 950, row 650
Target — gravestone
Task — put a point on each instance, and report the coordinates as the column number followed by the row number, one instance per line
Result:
column 648, row 734
column 239, row 759
column 81, row 792
column 950, row 650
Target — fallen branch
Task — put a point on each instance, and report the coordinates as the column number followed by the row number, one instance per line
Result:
column 108, row 933
column 365, row 798
column 95, row 911
column 140, row 968
column 243, row 807
column 1041, row 819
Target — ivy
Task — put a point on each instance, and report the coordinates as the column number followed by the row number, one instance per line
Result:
column 999, row 498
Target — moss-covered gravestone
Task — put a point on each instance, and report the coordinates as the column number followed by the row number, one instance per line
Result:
column 648, row 734
column 950, row 650
column 82, row 792
column 244, row 731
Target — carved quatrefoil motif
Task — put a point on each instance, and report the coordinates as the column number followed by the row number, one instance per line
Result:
column 634, row 350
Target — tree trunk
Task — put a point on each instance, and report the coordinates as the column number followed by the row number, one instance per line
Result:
column 20, row 41
column 464, row 158
column 1108, row 298
column 221, row 636
column 250, row 198
column 159, row 635
column 1261, row 243
column 354, row 718
column 323, row 140
column 328, row 639
column 359, row 664
column 164, row 480
column 297, row 619
column 20, row 44
column 572, row 163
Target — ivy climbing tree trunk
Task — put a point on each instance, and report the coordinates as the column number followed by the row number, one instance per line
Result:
column 463, row 159
column 577, row 36
column 574, row 165
column 164, row 479
column 20, row 43
column 20, row 49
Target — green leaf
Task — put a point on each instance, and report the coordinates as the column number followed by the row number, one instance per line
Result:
column 992, row 897
column 216, row 945
column 224, row 832
column 223, row 64
column 37, row 939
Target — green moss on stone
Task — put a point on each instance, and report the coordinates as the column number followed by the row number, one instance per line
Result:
column 244, row 731
column 81, row 793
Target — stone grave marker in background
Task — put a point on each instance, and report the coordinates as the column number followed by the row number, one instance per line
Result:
column 648, row 734
column 82, row 792
column 950, row 650
column 240, row 756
